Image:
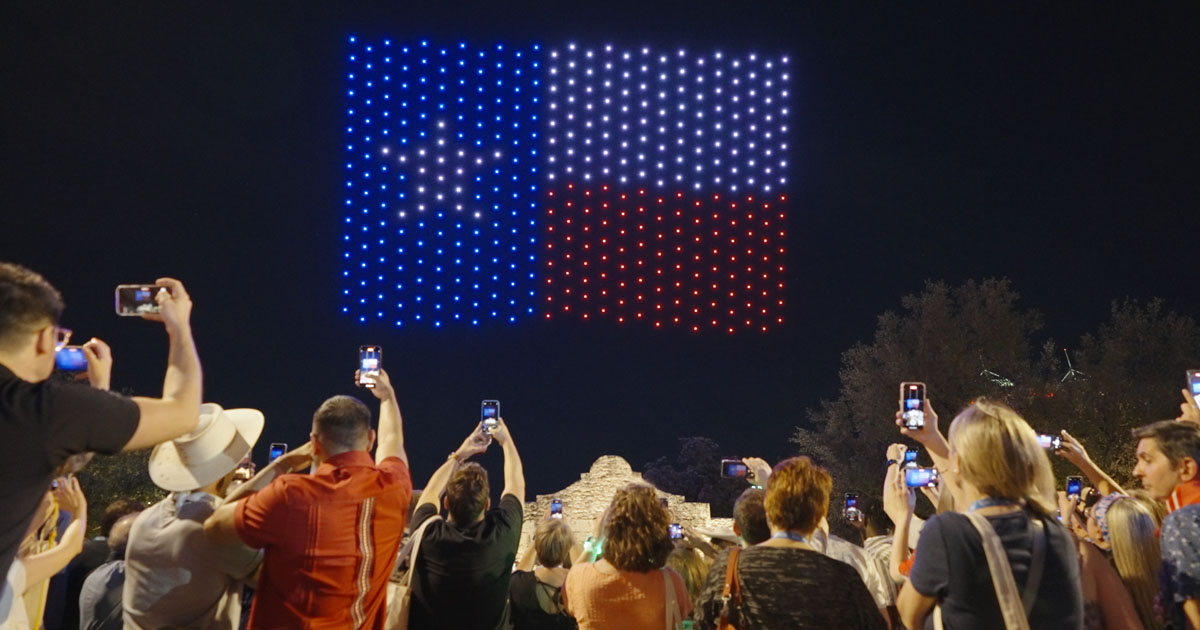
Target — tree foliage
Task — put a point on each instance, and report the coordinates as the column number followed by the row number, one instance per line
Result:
column 110, row 477
column 975, row 339
column 696, row 474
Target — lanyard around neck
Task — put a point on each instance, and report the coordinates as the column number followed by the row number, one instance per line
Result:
column 988, row 502
column 790, row 536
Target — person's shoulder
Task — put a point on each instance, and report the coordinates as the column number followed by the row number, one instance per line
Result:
column 1183, row 522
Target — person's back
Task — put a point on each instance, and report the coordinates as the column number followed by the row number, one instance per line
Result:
column 175, row 576
column 791, row 588
column 328, row 540
column 462, row 575
column 602, row 597
column 950, row 562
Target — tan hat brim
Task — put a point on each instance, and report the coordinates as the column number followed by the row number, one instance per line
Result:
column 169, row 472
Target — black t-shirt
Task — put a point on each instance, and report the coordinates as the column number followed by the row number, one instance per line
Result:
column 791, row 588
column 537, row 605
column 41, row 425
column 951, row 566
column 461, row 577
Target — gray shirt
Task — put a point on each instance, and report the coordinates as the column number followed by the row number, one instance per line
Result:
column 881, row 587
column 176, row 576
column 100, row 597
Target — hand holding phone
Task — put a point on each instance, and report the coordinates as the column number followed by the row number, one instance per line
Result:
column 490, row 415
column 734, row 468
column 1050, row 442
column 921, row 477
column 850, row 510
column 135, row 300
column 912, row 405
column 676, row 531
column 1074, row 487
column 71, row 359
column 370, row 362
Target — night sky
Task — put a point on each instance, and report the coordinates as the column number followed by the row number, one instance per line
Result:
column 1059, row 148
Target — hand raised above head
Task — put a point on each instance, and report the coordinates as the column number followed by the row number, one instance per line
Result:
column 928, row 433
column 383, row 385
column 174, row 305
column 475, row 443
column 1188, row 409
column 759, row 470
column 500, row 433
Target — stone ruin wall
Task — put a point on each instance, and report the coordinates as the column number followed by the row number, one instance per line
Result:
column 585, row 501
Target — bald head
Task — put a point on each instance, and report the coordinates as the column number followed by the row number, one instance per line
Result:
column 118, row 536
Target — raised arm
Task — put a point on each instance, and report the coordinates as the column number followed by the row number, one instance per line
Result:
column 178, row 411
column 514, row 474
column 220, row 526
column 391, row 427
column 475, row 444
column 1074, row 452
column 40, row 567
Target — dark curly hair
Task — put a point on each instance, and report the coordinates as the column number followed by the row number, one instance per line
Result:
column 637, row 536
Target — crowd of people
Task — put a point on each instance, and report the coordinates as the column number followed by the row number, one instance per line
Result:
column 350, row 544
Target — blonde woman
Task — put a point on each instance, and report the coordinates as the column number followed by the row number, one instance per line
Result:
column 996, row 469
column 1133, row 535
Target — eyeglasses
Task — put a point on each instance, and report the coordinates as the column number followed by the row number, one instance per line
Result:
column 62, row 336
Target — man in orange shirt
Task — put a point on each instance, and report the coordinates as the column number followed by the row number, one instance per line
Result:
column 329, row 538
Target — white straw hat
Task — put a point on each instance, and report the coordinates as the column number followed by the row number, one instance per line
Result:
column 221, row 439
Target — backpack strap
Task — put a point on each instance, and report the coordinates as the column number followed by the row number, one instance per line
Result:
column 731, row 594
column 1037, row 563
column 416, row 537
column 1011, row 605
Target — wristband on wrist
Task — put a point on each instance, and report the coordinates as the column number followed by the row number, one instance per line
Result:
column 892, row 462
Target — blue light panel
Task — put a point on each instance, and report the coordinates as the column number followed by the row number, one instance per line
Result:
column 441, row 164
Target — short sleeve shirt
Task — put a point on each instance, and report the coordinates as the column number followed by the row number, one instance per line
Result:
column 177, row 576
column 950, row 565
column 41, row 425
column 601, row 597
column 1181, row 560
column 462, row 575
column 329, row 541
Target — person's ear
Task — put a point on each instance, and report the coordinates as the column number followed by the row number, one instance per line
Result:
column 446, row 503
column 371, row 435
column 318, row 448
column 1187, row 469
column 737, row 531
column 47, row 341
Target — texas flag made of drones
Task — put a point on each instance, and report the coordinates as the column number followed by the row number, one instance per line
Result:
column 599, row 183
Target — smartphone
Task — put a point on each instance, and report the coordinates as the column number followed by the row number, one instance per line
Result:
column 133, row 300
column 370, row 360
column 912, row 404
column 850, row 509
column 1074, row 486
column 921, row 477
column 676, row 531
column 71, row 359
column 277, row 449
column 733, row 469
column 1193, row 378
column 910, row 457
column 489, row 415
column 556, row 508
column 1050, row 442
